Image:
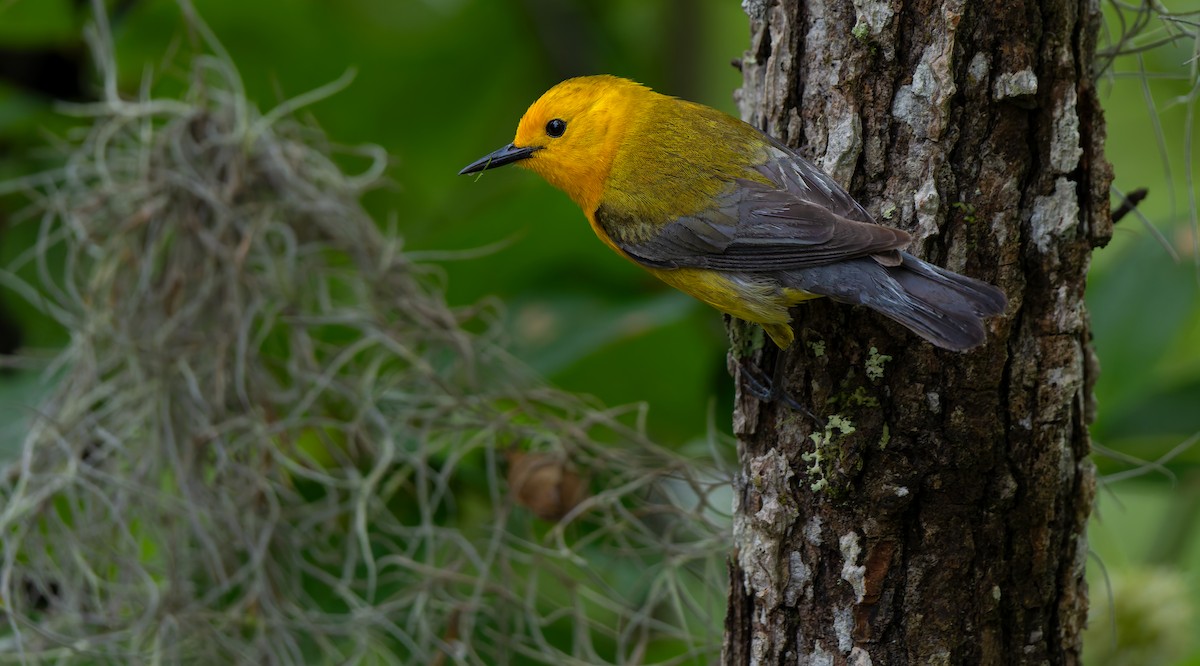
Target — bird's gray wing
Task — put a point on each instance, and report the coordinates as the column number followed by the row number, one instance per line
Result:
column 802, row 219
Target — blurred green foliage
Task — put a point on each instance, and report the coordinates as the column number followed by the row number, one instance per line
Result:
column 441, row 82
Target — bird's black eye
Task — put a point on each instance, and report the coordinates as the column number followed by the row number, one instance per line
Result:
column 556, row 127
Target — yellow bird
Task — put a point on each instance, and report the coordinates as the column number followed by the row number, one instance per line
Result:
column 717, row 209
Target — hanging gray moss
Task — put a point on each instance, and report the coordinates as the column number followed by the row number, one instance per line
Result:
column 270, row 440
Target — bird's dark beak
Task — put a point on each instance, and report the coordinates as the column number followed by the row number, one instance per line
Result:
column 506, row 155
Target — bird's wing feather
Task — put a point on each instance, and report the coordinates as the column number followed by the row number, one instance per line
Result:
column 806, row 220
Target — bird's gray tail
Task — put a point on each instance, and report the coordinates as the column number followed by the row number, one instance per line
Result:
column 941, row 306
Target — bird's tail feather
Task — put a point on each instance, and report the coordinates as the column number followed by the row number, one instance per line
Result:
column 945, row 308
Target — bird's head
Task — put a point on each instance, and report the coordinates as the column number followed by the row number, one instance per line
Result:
column 571, row 135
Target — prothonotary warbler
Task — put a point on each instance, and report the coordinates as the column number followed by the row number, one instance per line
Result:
column 721, row 211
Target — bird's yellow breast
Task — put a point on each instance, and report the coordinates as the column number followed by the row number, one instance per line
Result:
column 755, row 299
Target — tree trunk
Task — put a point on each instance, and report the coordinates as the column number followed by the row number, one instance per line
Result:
column 939, row 517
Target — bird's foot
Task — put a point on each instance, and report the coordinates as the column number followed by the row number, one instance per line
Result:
column 770, row 389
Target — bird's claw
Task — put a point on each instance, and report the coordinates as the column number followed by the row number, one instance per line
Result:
column 770, row 389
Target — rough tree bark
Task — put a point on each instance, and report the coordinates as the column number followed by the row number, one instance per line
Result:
column 939, row 517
